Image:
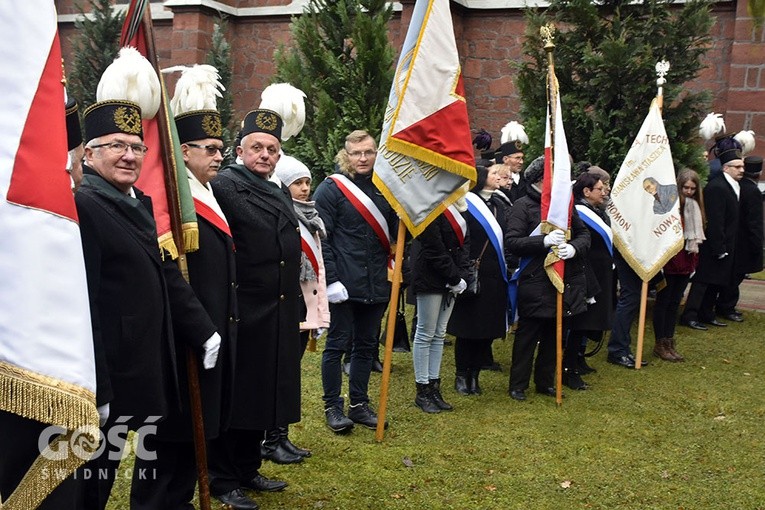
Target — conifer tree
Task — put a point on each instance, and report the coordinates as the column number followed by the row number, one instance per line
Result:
column 342, row 59
column 94, row 46
column 219, row 57
column 605, row 56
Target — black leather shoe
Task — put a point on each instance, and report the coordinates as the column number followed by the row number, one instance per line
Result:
column 237, row 500
column 363, row 415
column 733, row 317
column 624, row 361
column 337, row 421
column 279, row 454
column 549, row 391
column 715, row 322
column 573, row 380
column 262, row 484
column 377, row 366
column 632, row 357
column 519, row 395
column 695, row 325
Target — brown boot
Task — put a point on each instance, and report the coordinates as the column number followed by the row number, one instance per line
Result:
column 661, row 350
column 671, row 347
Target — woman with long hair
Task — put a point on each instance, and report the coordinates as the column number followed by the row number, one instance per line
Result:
column 678, row 270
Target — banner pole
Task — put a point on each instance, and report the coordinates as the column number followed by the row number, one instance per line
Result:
column 641, row 326
column 559, row 349
column 390, row 330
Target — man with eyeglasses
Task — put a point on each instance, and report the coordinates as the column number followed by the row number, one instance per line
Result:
column 266, row 383
column 359, row 223
column 510, row 154
column 715, row 271
column 132, row 289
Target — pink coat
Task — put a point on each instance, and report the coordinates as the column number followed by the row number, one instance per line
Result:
column 315, row 296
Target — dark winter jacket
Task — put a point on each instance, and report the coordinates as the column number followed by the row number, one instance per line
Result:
column 438, row 259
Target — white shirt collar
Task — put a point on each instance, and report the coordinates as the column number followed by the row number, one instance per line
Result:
column 733, row 184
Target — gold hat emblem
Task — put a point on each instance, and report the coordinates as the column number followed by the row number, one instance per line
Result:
column 211, row 126
column 128, row 120
column 518, row 145
column 266, row 121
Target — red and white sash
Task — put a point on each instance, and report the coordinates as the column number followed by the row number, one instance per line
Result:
column 366, row 207
column 457, row 222
column 310, row 248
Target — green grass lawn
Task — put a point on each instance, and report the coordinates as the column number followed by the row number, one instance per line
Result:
column 669, row 436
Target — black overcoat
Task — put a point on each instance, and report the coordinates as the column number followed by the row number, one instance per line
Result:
column 722, row 212
column 213, row 279
column 536, row 294
column 750, row 230
column 267, row 240
column 485, row 315
column 599, row 274
column 130, row 309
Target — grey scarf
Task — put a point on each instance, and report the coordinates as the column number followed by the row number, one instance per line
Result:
column 308, row 215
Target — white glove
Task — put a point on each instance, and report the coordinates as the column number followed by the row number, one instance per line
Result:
column 211, row 347
column 566, row 251
column 555, row 238
column 318, row 332
column 103, row 414
column 590, row 301
column 720, row 257
column 459, row 287
column 336, row 293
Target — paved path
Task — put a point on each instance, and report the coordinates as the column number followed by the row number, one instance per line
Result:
column 752, row 295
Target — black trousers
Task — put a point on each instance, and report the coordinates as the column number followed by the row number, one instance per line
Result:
column 233, row 458
column 471, row 353
column 529, row 332
column 18, row 450
column 667, row 304
column 700, row 305
column 167, row 482
column 728, row 297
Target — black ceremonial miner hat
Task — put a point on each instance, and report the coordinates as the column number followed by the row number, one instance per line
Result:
column 73, row 131
column 198, row 125
column 262, row 121
column 112, row 116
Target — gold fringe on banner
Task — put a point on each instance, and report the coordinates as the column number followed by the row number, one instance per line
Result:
column 48, row 400
column 190, row 236
column 167, row 244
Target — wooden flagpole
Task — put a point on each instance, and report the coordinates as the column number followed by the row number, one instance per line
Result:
column 174, row 210
column 390, row 330
column 546, row 32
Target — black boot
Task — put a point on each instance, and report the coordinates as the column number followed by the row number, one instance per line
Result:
column 475, row 388
column 582, row 367
column 461, row 383
column 435, row 395
column 573, row 380
column 287, row 444
column 272, row 449
column 423, row 399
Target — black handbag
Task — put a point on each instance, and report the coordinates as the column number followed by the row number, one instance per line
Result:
column 473, row 282
column 400, row 333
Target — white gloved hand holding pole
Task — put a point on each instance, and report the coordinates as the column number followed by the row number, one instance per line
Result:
column 337, row 293
column 555, row 238
column 211, row 348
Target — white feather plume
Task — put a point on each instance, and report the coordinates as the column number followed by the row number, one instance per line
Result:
column 197, row 88
column 289, row 103
column 746, row 139
column 513, row 131
column 711, row 126
column 131, row 77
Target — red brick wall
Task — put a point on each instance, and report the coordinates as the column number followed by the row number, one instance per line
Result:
column 487, row 40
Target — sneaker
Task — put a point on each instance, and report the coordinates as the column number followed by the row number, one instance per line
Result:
column 337, row 421
column 363, row 415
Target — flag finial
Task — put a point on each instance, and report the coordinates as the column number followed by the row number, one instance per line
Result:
column 547, row 31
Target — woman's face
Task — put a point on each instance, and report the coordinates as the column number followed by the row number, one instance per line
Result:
column 301, row 189
column 492, row 181
column 688, row 189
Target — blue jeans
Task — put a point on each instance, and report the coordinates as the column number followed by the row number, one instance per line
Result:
column 433, row 311
column 627, row 308
column 357, row 325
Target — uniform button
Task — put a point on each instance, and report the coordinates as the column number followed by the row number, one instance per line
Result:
column 281, row 263
column 231, row 319
column 315, row 292
column 281, row 298
column 233, row 284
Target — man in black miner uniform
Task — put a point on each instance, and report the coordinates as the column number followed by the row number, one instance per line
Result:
column 133, row 291
column 267, row 373
column 212, row 278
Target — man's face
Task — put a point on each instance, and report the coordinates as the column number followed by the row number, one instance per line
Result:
column 514, row 162
column 362, row 155
column 76, row 165
column 119, row 169
column 650, row 187
column 203, row 158
column 734, row 168
column 259, row 153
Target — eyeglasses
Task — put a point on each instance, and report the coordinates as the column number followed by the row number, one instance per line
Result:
column 210, row 150
column 601, row 189
column 357, row 154
column 120, row 148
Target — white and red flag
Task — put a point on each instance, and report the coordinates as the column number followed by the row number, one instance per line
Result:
column 644, row 207
column 426, row 152
column 556, row 188
column 47, row 368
